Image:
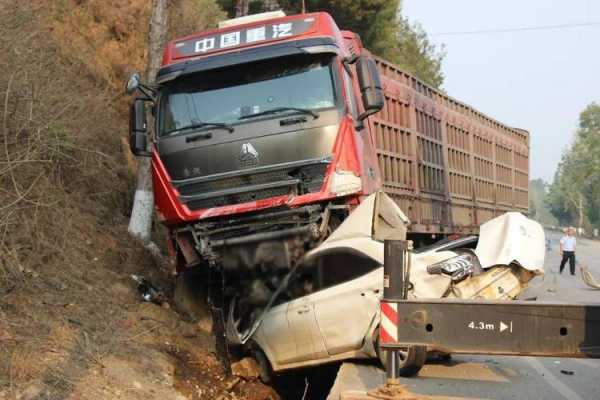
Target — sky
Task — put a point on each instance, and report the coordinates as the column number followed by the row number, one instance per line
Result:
column 535, row 80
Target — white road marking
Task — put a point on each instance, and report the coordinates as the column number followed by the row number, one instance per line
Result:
column 552, row 380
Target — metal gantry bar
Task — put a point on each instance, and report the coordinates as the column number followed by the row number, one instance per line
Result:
column 479, row 327
column 493, row 327
column 395, row 286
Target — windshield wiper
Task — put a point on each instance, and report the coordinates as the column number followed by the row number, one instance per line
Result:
column 220, row 125
column 281, row 109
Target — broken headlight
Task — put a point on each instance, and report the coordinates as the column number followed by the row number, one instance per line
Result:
column 457, row 268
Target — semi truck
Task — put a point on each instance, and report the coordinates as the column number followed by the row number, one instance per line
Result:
column 270, row 130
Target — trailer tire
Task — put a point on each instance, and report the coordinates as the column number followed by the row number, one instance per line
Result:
column 410, row 359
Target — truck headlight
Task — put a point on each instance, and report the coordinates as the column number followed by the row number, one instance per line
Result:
column 345, row 182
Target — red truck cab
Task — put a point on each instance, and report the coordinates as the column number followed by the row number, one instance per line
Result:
column 262, row 50
column 260, row 150
column 259, row 136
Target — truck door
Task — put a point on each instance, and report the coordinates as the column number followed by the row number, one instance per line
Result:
column 366, row 144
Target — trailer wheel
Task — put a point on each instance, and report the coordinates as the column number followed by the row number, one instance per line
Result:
column 189, row 296
column 410, row 359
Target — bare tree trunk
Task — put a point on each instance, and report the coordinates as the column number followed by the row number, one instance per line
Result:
column 241, row 8
column 580, row 211
column 140, row 224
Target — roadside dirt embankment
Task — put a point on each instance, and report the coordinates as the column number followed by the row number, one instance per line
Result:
column 72, row 325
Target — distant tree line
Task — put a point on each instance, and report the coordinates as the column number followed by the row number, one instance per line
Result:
column 574, row 196
column 382, row 28
column 538, row 209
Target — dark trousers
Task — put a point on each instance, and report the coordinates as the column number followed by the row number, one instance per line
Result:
column 568, row 255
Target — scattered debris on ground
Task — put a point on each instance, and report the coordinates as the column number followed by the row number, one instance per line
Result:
column 588, row 278
column 567, row 372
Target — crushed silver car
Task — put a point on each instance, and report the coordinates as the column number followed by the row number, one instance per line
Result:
column 330, row 308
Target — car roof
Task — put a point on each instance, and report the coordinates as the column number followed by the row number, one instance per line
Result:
column 448, row 244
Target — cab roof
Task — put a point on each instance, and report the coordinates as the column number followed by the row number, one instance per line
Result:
column 252, row 34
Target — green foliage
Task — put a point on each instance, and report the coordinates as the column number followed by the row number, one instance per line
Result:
column 417, row 55
column 532, row 209
column 538, row 210
column 381, row 27
column 228, row 6
column 589, row 121
column 574, row 197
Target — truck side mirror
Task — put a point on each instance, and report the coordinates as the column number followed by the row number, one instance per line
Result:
column 370, row 86
column 133, row 83
column 138, row 128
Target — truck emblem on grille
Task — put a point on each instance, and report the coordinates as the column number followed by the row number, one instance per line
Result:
column 248, row 156
column 189, row 174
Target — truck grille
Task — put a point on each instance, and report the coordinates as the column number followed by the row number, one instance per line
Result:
column 253, row 184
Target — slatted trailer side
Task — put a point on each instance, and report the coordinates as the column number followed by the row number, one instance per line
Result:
column 448, row 166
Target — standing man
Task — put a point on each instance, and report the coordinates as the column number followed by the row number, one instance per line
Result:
column 568, row 243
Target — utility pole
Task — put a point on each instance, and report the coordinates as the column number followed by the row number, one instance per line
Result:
column 140, row 223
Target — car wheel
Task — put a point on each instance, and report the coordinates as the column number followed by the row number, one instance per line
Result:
column 266, row 372
column 410, row 359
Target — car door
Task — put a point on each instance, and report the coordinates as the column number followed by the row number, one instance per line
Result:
column 346, row 311
column 289, row 332
column 304, row 330
column 274, row 335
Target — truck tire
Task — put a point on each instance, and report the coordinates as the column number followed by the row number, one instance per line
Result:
column 410, row 359
column 189, row 296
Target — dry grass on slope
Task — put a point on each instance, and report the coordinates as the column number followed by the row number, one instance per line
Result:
column 71, row 323
column 63, row 178
column 63, row 201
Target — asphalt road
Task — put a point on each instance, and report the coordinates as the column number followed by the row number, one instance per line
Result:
column 506, row 377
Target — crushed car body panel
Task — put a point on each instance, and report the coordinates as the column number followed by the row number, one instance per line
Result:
column 377, row 218
column 512, row 238
column 337, row 318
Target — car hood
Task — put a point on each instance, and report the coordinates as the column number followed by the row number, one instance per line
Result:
column 377, row 218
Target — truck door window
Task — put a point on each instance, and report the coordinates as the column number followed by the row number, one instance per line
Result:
column 350, row 94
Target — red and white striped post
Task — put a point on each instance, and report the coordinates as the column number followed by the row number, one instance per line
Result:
column 395, row 287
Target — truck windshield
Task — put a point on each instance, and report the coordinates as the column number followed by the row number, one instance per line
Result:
column 228, row 94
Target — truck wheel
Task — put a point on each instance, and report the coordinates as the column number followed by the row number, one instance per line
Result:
column 189, row 296
column 410, row 359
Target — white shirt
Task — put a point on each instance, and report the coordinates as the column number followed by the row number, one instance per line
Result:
column 568, row 243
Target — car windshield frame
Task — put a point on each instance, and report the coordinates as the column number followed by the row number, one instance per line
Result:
column 329, row 60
